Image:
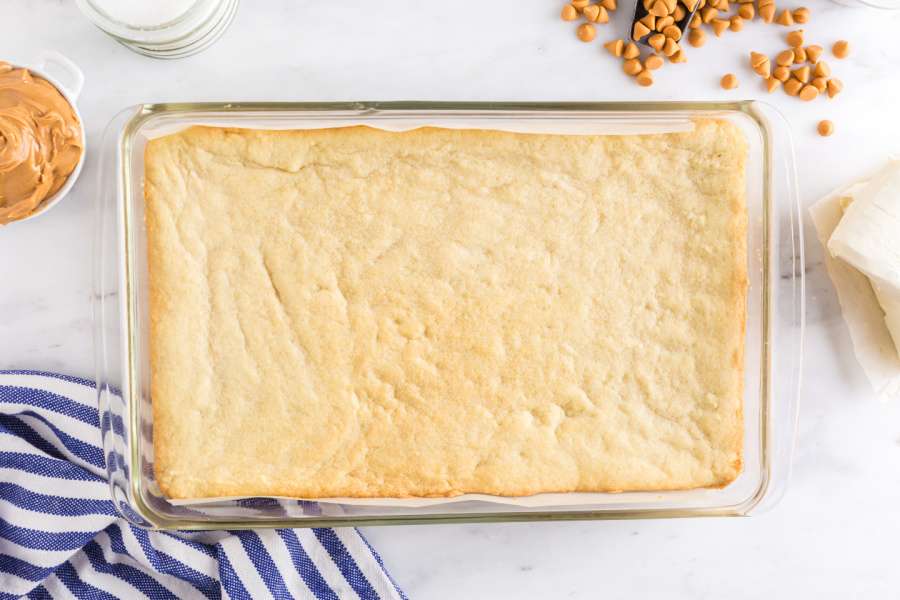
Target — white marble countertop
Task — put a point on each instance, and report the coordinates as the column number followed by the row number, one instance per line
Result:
column 835, row 533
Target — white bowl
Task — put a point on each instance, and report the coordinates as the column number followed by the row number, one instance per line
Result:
column 69, row 82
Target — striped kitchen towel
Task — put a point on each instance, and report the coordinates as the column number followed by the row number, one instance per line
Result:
column 60, row 535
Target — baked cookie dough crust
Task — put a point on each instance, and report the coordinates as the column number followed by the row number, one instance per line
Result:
column 353, row 312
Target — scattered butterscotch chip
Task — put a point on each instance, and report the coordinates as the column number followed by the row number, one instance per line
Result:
column 841, row 49
column 697, row 37
column 795, row 38
column 644, row 78
column 825, row 128
column 639, row 31
column 653, row 62
column 813, row 53
column 735, row 23
column 659, row 9
column 785, row 58
column 746, row 11
column 801, row 15
column 782, row 74
column 615, row 47
column 696, row 21
column 801, row 74
column 808, row 93
column 631, row 51
column 632, row 66
column 672, row 32
column 729, row 81
column 649, row 21
column 834, row 87
column 679, row 13
column 822, row 69
column 799, row 55
column 785, row 18
column 767, row 12
column 591, row 11
column 820, row 83
column 678, row 57
column 586, row 32
column 608, row 4
column 661, row 24
column 761, row 64
column 670, row 47
column 708, row 13
column 772, row 84
column 792, row 87
column 719, row 26
column 602, row 16
column 569, row 13
column 656, row 41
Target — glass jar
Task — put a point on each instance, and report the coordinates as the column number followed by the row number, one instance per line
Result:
column 162, row 28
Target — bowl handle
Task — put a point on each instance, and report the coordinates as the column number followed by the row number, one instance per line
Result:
column 72, row 79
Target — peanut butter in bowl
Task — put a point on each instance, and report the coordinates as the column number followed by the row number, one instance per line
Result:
column 41, row 142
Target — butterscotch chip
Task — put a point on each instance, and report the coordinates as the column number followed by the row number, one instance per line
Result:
column 659, row 9
column 639, row 31
column 679, row 13
column 785, row 18
column 672, row 32
column 801, row 15
column 569, row 13
column 615, row 47
column 808, row 93
column 586, row 32
column 696, row 21
column 785, row 58
column 719, row 26
column 647, row 4
column 772, row 84
column 746, row 11
column 813, row 53
column 689, row 4
column 767, row 12
column 825, row 128
column 729, row 81
column 580, row 4
column 761, row 64
column 834, row 87
column 644, row 78
column 708, row 14
column 649, row 21
column 670, row 47
column 632, row 66
column 801, row 73
column 661, row 24
column 735, row 23
column 591, row 11
column 602, row 16
column 792, row 87
column 631, row 51
column 723, row 6
column 653, row 62
column 656, row 41
column 795, row 38
column 799, row 55
column 670, row 5
column 678, row 57
column 820, row 83
column 608, row 4
column 841, row 49
column 782, row 74
column 822, row 69
column 697, row 37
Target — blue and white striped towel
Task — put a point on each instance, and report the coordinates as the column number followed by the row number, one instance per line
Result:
column 60, row 536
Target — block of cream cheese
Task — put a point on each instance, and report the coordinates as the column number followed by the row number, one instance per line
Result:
column 868, row 238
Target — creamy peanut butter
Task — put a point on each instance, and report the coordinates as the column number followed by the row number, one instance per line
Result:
column 40, row 142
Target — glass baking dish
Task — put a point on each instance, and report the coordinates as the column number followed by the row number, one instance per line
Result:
column 773, row 347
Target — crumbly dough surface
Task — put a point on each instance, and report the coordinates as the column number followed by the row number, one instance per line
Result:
column 353, row 312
